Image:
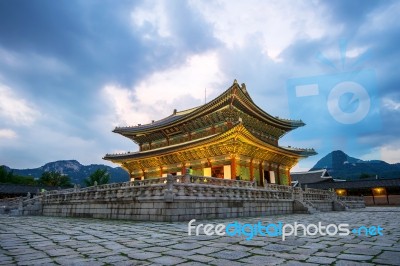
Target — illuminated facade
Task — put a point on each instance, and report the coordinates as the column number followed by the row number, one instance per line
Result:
column 229, row 137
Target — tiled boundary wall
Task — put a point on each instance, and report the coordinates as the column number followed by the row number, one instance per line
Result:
column 382, row 200
column 178, row 198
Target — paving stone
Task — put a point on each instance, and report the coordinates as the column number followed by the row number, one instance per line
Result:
column 303, row 251
column 352, row 263
column 277, row 247
column 354, row 257
column 60, row 252
column 297, row 263
column 228, row 254
column 185, row 246
column 140, row 255
column 223, row 262
column 156, row 249
column 192, row 263
column 207, row 250
column 321, row 260
column 112, row 259
column 263, row 260
column 180, row 253
column 291, row 256
column 44, row 261
column 201, row 258
column 325, row 254
column 388, row 257
column 167, row 260
column 363, row 251
column 262, row 252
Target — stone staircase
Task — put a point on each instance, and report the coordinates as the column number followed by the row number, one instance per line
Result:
column 310, row 208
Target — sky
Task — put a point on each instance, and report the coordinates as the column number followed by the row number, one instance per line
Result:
column 71, row 71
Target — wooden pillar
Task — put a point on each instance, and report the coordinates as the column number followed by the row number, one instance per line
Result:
column 289, row 177
column 278, row 175
column 251, row 170
column 233, row 168
column 144, row 174
column 161, row 171
column 183, row 170
column 261, row 174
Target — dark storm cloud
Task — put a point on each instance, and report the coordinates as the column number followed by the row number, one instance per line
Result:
column 63, row 52
column 351, row 14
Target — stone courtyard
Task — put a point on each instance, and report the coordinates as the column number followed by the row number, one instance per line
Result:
column 38, row 240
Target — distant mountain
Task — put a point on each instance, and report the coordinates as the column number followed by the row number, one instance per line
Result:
column 341, row 165
column 76, row 171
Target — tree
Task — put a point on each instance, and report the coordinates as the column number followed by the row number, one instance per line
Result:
column 11, row 178
column 100, row 176
column 364, row 176
column 55, row 179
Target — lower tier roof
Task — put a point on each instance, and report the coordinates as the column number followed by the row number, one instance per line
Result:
column 230, row 142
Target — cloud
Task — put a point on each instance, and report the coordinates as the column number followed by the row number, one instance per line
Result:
column 152, row 19
column 390, row 154
column 158, row 94
column 16, row 110
column 275, row 23
column 391, row 104
column 7, row 134
column 73, row 72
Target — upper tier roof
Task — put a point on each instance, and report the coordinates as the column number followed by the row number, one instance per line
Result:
column 235, row 95
column 239, row 130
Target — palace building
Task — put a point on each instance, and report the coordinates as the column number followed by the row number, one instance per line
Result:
column 229, row 137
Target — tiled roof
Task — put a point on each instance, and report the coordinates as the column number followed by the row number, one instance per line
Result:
column 310, row 177
column 22, row 189
column 227, row 96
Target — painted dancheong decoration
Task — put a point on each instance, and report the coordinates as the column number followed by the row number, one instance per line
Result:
column 229, row 137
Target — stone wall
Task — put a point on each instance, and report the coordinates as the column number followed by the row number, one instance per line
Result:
column 353, row 202
column 323, row 205
column 170, row 211
column 382, row 200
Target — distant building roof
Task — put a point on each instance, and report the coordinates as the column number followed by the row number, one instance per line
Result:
column 359, row 184
column 15, row 189
column 310, row 177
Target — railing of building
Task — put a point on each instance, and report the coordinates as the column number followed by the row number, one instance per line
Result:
column 11, row 202
column 187, row 186
column 351, row 198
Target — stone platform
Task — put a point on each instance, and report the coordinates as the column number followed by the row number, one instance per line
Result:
column 182, row 198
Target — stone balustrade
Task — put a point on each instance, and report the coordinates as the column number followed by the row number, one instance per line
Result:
column 351, row 198
column 8, row 204
column 185, row 186
column 311, row 194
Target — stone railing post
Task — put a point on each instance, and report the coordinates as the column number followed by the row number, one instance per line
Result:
column 334, row 196
column 169, row 190
column 186, row 178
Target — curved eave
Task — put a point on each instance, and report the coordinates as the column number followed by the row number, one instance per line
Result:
column 235, row 91
column 301, row 152
column 161, row 150
column 239, row 132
